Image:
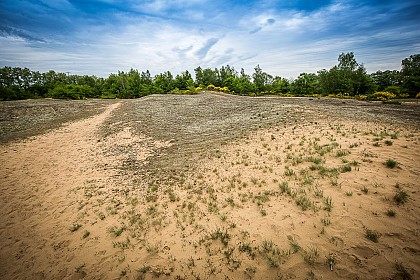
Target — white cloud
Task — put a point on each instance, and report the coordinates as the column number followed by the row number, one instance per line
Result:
column 282, row 42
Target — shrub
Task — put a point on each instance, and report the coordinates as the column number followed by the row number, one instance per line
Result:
column 384, row 95
column 390, row 163
column 373, row 235
column 401, row 197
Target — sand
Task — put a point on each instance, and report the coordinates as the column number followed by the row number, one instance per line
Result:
column 283, row 202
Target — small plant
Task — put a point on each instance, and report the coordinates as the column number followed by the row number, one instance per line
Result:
column 328, row 204
column 402, row 271
column 219, row 234
column 263, row 212
column 85, row 234
column 345, row 168
column 246, row 248
column 349, row 193
column 250, row 271
column 388, row 142
column 289, row 172
column 311, row 255
column 342, row 153
column 144, row 269
column 293, row 243
column 75, row 227
column 80, row 267
column 376, row 144
column 101, row 215
column 284, row 187
column 326, row 221
column 390, row 163
column 394, row 136
column 304, row 202
column 373, row 235
column 331, row 261
column 116, row 231
column 152, row 249
column 401, row 197
column 390, row 213
column 365, row 190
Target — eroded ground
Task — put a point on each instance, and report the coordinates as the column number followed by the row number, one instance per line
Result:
column 215, row 187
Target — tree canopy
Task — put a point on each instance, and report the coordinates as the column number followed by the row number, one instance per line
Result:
column 347, row 79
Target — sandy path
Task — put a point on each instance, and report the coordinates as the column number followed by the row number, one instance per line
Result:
column 37, row 203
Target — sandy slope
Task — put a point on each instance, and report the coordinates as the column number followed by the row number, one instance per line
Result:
column 38, row 202
column 76, row 204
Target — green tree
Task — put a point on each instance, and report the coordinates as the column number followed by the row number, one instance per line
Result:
column 384, row 79
column 280, row 85
column 410, row 72
column 261, row 79
column 184, row 81
column 164, row 82
column 71, row 91
column 225, row 73
column 305, row 84
column 348, row 77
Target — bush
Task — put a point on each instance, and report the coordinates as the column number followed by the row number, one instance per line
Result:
column 71, row 91
column 13, row 93
column 384, row 95
column 211, row 87
column 390, row 163
column 401, row 197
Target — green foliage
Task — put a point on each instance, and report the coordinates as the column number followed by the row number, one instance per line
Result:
column 305, row 84
column 389, row 80
column 261, row 79
column 390, row 163
column 401, row 197
column 410, row 72
column 71, row 91
column 373, row 235
column 345, row 80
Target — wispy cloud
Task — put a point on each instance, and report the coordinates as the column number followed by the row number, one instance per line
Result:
column 284, row 37
column 6, row 31
column 203, row 51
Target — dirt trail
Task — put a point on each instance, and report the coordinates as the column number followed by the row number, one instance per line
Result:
column 37, row 182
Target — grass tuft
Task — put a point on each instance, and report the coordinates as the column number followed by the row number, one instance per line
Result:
column 390, row 163
column 401, row 197
column 373, row 235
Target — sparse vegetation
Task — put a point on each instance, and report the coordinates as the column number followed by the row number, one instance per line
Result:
column 373, row 235
column 390, row 213
column 401, row 197
column 402, row 271
column 229, row 203
column 75, row 227
column 390, row 163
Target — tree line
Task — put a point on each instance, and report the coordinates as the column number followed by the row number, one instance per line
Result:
column 346, row 79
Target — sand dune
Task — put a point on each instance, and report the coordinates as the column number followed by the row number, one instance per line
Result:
column 299, row 200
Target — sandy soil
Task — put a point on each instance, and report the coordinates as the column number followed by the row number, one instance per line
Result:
column 216, row 187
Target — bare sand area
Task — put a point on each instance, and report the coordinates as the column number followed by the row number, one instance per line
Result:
column 210, row 186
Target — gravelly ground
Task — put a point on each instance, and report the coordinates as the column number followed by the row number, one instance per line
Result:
column 197, row 125
column 25, row 118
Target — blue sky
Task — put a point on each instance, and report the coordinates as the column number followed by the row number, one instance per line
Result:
column 285, row 38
